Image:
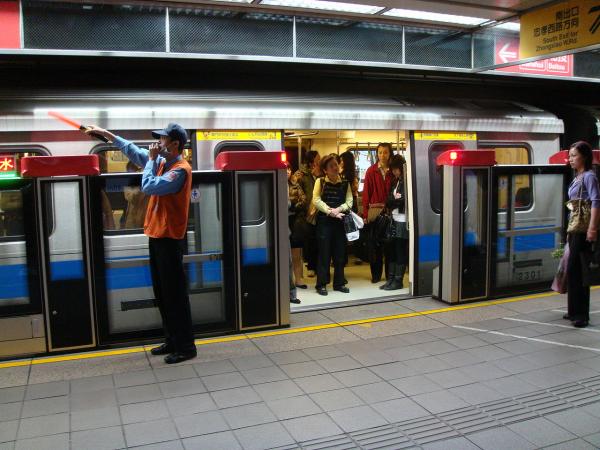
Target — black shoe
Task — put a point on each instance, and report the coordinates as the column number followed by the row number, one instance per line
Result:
column 163, row 349
column 321, row 291
column 567, row 317
column 581, row 323
column 302, row 286
column 174, row 358
column 394, row 285
column 295, row 301
column 342, row 289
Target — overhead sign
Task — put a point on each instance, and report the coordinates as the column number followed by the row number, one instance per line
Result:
column 565, row 26
column 8, row 166
column 442, row 136
column 238, row 135
column 507, row 50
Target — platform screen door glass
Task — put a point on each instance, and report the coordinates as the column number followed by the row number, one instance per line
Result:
column 527, row 228
column 474, row 249
column 130, row 306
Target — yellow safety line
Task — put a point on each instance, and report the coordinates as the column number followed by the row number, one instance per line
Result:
column 241, row 337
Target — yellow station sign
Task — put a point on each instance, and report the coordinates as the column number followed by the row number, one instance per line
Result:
column 238, row 135
column 442, row 136
column 565, row 26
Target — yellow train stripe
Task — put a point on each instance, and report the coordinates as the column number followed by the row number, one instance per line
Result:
column 258, row 335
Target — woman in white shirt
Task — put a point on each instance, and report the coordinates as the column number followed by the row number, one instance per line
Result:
column 399, row 244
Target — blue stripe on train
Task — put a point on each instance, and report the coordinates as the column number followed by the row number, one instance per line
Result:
column 429, row 245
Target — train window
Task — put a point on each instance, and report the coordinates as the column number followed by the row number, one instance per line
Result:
column 238, row 146
column 435, row 174
column 112, row 160
column 123, row 206
column 11, row 201
column 511, row 154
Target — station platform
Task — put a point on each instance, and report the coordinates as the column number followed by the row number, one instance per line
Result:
column 504, row 374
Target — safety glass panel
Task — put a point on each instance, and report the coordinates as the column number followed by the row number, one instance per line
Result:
column 526, row 238
column 129, row 289
column 14, row 289
column 65, row 243
column 474, row 253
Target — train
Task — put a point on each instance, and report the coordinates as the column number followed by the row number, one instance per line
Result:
column 217, row 122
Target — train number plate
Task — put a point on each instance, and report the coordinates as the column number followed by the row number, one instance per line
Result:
column 527, row 275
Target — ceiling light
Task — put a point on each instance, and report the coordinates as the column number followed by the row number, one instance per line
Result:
column 325, row 5
column 511, row 26
column 434, row 17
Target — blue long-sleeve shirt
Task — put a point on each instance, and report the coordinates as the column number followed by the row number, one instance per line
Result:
column 170, row 182
column 590, row 189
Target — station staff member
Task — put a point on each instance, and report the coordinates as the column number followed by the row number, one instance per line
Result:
column 167, row 178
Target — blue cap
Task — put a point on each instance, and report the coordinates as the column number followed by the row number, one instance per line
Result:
column 174, row 131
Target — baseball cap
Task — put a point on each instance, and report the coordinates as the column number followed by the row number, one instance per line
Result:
column 174, row 131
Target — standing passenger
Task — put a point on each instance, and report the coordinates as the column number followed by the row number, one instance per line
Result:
column 396, row 202
column 332, row 197
column 167, row 179
column 584, row 186
column 375, row 191
column 306, row 178
column 297, row 225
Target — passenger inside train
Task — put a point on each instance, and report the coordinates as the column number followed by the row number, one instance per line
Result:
column 356, row 152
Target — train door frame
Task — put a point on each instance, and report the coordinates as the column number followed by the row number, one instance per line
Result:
column 105, row 337
column 50, row 288
column 510, row 171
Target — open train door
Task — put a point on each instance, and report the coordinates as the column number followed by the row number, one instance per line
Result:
column 425, row 147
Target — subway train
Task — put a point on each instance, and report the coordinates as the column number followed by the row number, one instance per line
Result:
column 239, row 121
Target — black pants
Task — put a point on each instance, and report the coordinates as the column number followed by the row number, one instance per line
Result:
column 377, row 250
column 399, row 255
column 578, row 295
column 311, row 250
column 331, row 238
column 170, row 291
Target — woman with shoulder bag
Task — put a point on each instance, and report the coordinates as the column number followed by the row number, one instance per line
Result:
column 332, row 197
column 375, row 192
column 298, row 225
column 399, row 234
column 584, row 204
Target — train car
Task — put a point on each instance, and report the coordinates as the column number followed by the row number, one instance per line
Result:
column 237, row 121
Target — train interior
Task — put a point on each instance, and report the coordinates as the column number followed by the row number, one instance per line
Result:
column 363, row 145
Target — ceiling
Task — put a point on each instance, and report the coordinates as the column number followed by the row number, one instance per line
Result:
column 406, row 11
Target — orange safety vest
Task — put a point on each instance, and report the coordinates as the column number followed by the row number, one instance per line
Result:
column 167, row 215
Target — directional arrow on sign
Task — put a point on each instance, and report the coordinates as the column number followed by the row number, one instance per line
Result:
column 506, row 55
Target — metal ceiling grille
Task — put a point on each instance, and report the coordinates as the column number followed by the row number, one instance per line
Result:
column 236, row 34
column 349, row 41
column 93, row 27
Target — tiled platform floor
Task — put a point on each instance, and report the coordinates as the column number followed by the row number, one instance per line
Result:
column 506, row 376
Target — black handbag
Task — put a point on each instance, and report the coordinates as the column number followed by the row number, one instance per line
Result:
column 383, row 228
column 590, row 265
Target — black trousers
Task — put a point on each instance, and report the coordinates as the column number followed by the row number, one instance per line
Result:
column 377, row 250
column 578, row 296
column 331, row 238
column 311, row 249
column 170, row 291
column 399, row 255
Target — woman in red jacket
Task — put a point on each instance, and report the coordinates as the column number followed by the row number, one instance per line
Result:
column 375, row 191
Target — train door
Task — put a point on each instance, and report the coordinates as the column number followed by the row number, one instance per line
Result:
column 427, row 201
column 123, row 284
column 527, row 224
column 65, row 258
column 21, row 320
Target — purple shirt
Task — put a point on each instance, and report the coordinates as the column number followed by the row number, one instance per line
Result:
column 590, row 189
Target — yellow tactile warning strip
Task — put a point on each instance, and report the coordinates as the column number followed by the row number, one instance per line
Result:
column 240, row 337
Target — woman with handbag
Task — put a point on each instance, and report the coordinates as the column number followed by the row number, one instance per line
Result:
column 297, row 224
column 332, row 197
column 582, row 230
column 375, row 191
column 398, row 241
